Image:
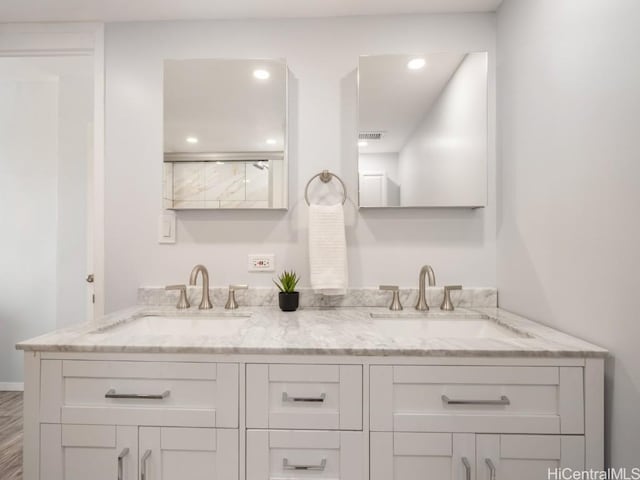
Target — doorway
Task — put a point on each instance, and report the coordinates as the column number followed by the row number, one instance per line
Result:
column 51, row 183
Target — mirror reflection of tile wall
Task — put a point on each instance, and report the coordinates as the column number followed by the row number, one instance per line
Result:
column 232, row 184
column 225, row 134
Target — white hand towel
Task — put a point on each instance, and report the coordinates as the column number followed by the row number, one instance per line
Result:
column 327, row 249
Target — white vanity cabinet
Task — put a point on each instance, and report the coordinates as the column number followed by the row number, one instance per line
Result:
column 439, row 456
column 79, row 452
column 280, row 454
column 479, row 422
column 318, row 397
column 152, row 420
column 323, row 417
column 304, row 421
column 181, row 394
column 420, row 456
column 169, row 453
column 485, row 399
column 527, row 457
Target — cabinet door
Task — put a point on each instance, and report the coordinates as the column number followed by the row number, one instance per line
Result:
column 422, row 456
column 168, row 453
column 79, row 452
column 527, row 457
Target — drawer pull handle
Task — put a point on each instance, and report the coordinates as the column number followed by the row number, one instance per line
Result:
column 287, row 466
column 153, row 396
column 492, row 468
column 504, row 400
column 467, row 468
column 123, row 454
column 287, row 398
column 143, row 465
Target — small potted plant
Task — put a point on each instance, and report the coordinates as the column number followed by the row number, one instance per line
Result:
column 288, row 298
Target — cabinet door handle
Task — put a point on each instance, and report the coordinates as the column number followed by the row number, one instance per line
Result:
column 467, row 468
column 287, row 466
column 492, row 468
column 503, row 400
column 143, row 465
column 123, row 453
column 152, row 396
column 287, row 398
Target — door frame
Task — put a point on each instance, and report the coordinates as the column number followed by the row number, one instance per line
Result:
column 64, row 40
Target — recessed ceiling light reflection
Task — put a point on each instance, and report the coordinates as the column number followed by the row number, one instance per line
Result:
column 416, row 63
column 261, row 74
column 192, row 140
column 362, row 143
column 271, row 141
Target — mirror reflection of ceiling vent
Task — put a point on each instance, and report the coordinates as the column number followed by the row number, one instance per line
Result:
column 370, row 135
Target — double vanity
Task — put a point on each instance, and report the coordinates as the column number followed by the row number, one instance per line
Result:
column 327, row 392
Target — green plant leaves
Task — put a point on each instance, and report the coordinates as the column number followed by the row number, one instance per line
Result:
column 287, row 281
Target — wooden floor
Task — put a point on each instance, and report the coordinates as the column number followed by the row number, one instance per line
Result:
column 11, row 435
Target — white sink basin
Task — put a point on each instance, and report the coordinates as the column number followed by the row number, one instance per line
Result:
column 196, row 325
column 463, row 328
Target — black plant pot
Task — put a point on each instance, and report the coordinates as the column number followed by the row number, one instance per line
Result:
column 288, row 301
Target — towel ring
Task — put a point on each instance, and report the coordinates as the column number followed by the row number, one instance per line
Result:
column 325, row 176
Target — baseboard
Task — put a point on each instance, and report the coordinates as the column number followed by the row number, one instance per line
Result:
column 11, row 386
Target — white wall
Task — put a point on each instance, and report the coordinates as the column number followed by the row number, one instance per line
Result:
column 322, row 55
column 443, row 162
column 28, row 193
column 569, row 227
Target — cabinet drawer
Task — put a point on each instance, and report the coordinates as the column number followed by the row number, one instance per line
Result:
column 477, row 399
column 326, row 397
column 276, row 455
column 144, row 393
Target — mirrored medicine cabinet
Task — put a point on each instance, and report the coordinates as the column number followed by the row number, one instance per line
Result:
column 422, row 130
column 225, row 134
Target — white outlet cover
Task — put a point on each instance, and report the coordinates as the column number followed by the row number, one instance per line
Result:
column 264, row 262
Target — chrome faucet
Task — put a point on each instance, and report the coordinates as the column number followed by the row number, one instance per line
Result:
column 205, row 303
column 422, row 291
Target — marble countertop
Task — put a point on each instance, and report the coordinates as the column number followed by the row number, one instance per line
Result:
column 313, row 331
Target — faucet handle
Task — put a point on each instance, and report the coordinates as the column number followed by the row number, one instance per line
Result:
column 447, row 304
column 395, row 302
column 183, row 302
column 231, row 300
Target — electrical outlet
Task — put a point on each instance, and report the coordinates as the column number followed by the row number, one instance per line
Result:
column 262, row 263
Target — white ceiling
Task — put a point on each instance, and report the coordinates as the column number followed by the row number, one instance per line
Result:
column 393, row 99
column 223, row 105
column 145, row 10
